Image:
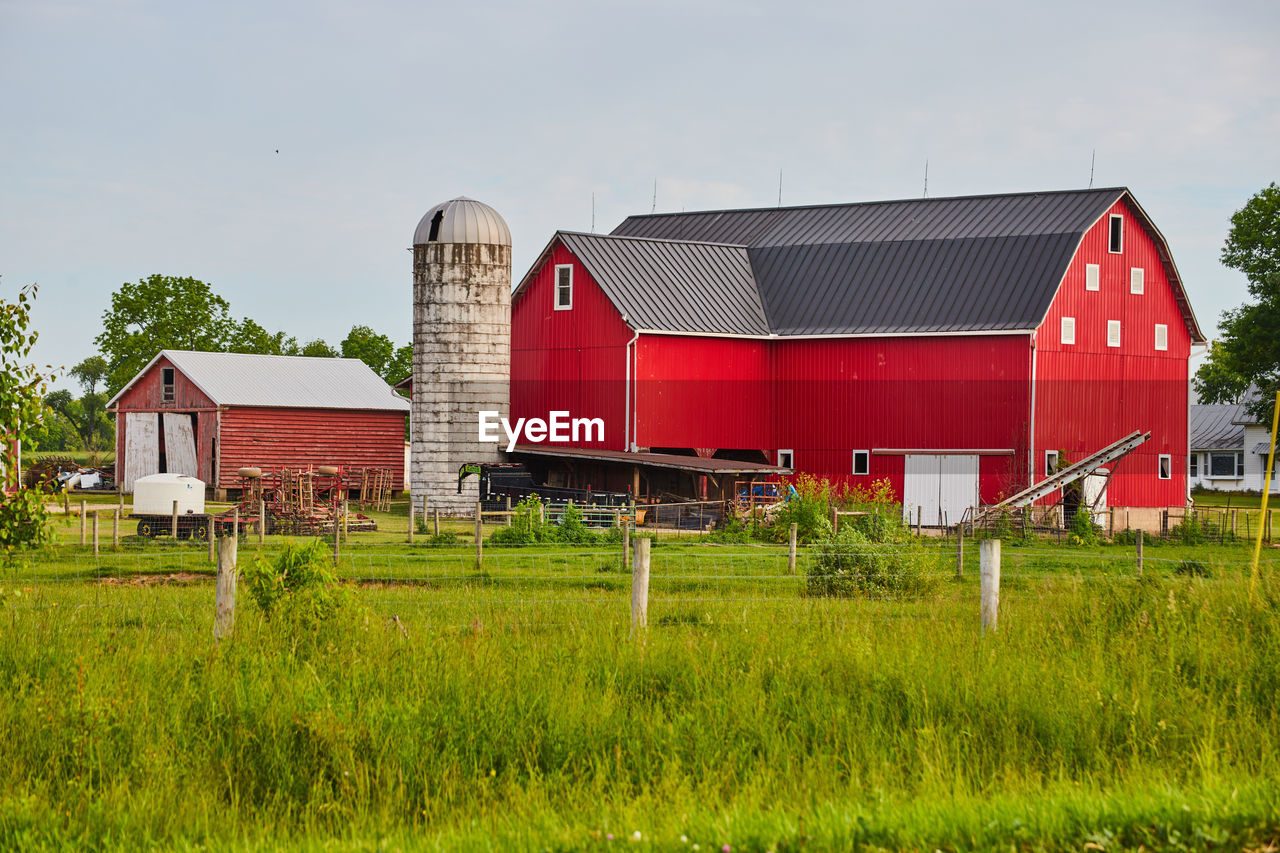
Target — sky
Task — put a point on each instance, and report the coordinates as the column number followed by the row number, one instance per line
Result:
column 283, row 152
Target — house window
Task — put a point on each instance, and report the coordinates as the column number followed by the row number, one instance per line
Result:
column 861, row 462
column 166, row 381
column 1137, row 280
column 785, row 459
column 1162, row 336
column 1068, row 330
column 1090, row 276
column 564, row 287
column 1226, row 465
column 1050, row 463
column 1116, row 243
column 1166, row 467
column 1113, row 333
column 1193, row 461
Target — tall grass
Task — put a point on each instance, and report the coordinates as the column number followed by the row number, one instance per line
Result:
column 1120, row 710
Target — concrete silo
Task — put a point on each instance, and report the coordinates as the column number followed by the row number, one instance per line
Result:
column 461, row 345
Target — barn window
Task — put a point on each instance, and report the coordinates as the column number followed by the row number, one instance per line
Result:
column 1090, row 276
column 1068, row 330
column 1050, row 463
column 1136, row 280
column 1166, row 466
column 1226, row 465
column 1116, row 244
column 785, row 458
column 166, row 382
column 861, row 462
column 1193, row 462
column 1162, row 336
column 1113, row 333
column 564, row 287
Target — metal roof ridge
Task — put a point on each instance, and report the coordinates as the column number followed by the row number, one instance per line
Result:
column 654, row 239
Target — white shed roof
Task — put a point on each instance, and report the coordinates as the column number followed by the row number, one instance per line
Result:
column 287, row 381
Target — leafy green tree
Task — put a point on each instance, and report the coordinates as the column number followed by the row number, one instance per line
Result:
column 55, row 431
column 161, row 312
column 373, row 349
column 400, row 366
column 253, row 338
column 318, row 349
column 24, row 521
column 1247, row 351
column 89, row 413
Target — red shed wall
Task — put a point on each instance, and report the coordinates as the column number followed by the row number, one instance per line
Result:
column 147, row 395
column 574, row 360
column 298, row 438
column 834, row 396
column 1089, row 395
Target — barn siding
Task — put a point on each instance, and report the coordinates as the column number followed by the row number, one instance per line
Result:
column 299, row 438
column 1089, row 395
column 147, row 395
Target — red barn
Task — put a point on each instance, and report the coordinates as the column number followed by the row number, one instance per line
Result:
column 955, row 346
column 208, row 414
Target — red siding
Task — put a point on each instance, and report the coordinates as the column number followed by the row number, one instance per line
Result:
column 1088, row 394
column 147, row 395
column 572, row 360
column 299, row 438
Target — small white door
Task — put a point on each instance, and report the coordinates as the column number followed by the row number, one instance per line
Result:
column 1094, row 488
column 179, row 445
column 141, row 447
column 939, row 487
column 957, row 487
column 920, row 488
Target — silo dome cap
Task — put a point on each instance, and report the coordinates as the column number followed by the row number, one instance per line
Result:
column 462, row 220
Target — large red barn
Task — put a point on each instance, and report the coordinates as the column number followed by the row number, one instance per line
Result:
column 956, row 346
column 208, row 414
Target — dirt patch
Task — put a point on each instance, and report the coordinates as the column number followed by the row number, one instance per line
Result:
column 156, row 580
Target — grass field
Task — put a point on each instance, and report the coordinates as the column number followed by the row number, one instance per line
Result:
column 508, row 707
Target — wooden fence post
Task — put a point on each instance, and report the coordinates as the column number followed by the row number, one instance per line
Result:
column 411, row 510
column 508, row 510
column 115, row 529
column 83, row 509
column 173, row 522
column 337, row 539
column 626, row 542
column 262, row 522
column 120, row 506
column 1139, row 553
column 791, row 549
column 919, row 518
column 479, row 537
column 989, row 560
column 95, row 533
column 66, row 501
column 640, row 585
column 959, row 552
column 436, row 525
column 213, row 555
column 224, row 609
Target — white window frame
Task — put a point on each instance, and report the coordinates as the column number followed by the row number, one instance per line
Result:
column 866, row 463
column 1164, row 466
column 1237, row 465
column 1193, row 465
column 1119, row 250
column 1137, row 280
column 1068, row 330
column 563, row 306
column 1092, row 277
column 1162, row 337
column 1113, row 333
column 1050, row 463
column 790, row 459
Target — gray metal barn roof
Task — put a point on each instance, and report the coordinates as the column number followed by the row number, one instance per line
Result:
column 286, row 381
column 975, row 263
column 1215, row 427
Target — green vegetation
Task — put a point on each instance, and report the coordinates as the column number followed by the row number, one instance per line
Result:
column 24, row 522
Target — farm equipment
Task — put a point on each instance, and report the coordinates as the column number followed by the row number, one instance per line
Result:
column 308, row 501
column 502, row 480
column 154, row 498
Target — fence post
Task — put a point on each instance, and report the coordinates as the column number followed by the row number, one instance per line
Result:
column 835, row 521
column 479, row 537
column 1139, row 553
column 213, row 556
column 640, row 585
column 66, row 501
column 411, row 511
column 989, row 560
column 121, row 503
column 224, row 609
column 959, row 551
column 83, row 509
column 173, row 522
column 791, row 549
column 95, row 533
column 337, row 538
column 262, row 522
column 346, row 520
column 919, row 518
column 115, row 529
column 436, row 510
column 508, row 510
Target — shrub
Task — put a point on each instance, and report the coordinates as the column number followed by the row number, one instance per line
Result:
column 571, row 530
column 809, row 509
column 1083, row 531
column 850, row 563
column 444, row 539
column 528, row 525
column 297, row 586
column 1188, row 531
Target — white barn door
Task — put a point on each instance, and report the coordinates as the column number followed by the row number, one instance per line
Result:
column 141, row 447
column 179, row 445
column 939, row 486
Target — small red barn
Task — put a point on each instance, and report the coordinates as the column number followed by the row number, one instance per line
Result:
column 208, row 414
column 955, row 346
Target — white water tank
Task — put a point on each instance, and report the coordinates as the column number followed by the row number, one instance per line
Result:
column 155, row 494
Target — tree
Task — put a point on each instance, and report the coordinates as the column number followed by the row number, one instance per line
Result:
column 24, row 521
column 161, row 312
column 89, row 413
column 373, row 349
column 318, row 349
column 400, row 366
column 253, row 338
column 1247, row 351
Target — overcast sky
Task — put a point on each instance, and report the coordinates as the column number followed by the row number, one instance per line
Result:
column 142, row 137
